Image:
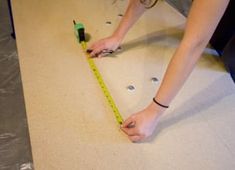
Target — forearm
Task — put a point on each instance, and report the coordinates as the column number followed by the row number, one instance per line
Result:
column 200, row 26
column 134, row 10
column 178, row 71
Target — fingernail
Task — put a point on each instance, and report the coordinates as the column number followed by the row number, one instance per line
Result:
column 89, row 50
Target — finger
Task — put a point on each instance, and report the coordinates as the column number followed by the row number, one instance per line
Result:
column 95, row 55
column 131, row 125
column 135, row 138
column 95, row 49
column 96, row 52
column 128, row 121
column 89, row 50
column 119, row 48
column 97, row 45
column 105, row 53
column 101, row 55
column 130, row 131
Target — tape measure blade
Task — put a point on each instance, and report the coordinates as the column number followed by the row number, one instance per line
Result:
column 106, row 91
column 102, row 85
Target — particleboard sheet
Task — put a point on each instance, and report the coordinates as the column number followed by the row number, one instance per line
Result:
column 71, row 125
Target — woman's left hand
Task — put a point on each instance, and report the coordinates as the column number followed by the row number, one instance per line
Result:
column 141, row 125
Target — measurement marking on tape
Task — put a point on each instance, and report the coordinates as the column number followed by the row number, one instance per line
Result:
column 102, row 85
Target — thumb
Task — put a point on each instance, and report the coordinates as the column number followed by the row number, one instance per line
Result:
column 128, row 122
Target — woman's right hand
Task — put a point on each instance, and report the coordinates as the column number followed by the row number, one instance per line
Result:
column 104, row 46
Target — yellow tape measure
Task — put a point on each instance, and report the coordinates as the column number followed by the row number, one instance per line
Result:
column 102, row 84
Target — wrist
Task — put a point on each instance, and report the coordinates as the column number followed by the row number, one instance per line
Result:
column 156, row 109
column 118, row 37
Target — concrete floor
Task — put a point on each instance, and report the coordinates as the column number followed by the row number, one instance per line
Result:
column 15, row 151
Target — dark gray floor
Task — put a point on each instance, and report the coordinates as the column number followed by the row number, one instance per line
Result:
column 15, row 150
column 182, row 6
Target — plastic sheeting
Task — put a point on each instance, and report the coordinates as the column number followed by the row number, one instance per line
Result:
column 15, row 152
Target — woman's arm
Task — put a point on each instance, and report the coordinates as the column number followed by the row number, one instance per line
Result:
column 202, row 21
column 134, row 10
